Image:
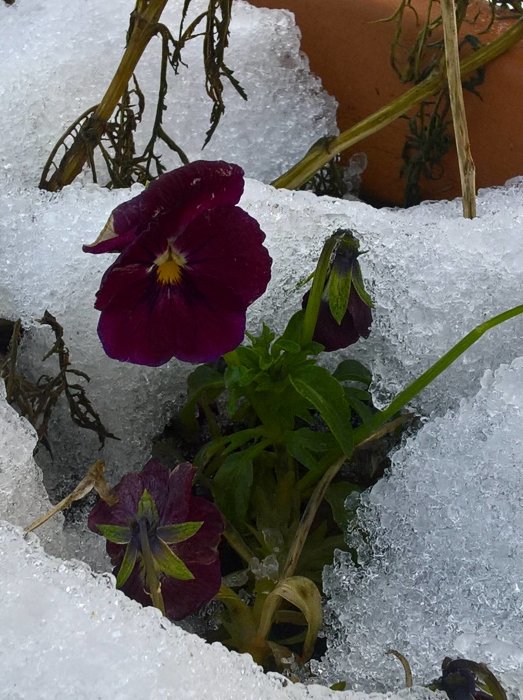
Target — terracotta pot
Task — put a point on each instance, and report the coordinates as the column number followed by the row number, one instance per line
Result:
column 350, row 51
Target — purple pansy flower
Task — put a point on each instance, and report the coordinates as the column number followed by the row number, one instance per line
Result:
column 162, row 540
column 190, row 264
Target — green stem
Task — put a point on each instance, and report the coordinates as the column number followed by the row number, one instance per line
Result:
column 308, row 516
column 237, row 542
column 151, row 575
column 318, row 284
column 321, row 153
column 413, row 389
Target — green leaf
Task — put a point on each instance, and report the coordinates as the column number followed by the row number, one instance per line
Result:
column 118, row 534
column 352, row 371
column 172, row 534
column 304, row 594
column 289, row 346
column 327, row 396
column 360, row 408
column 232, row 485
column 338, row 291
column 356, row 393
column 204, row 377
column 205, row 382
column 336, row 497
column 293, row 330
column 340, row 685
column 147, row 508
column 304, row 443
column 170, row 564
column 127, row 565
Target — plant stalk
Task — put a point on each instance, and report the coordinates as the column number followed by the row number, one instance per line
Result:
column 467, row 169
column 413, row 389
column 145, row 18
column 323, row 151
column 321, row 272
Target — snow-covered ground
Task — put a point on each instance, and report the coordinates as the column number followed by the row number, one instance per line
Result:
column 445, row 571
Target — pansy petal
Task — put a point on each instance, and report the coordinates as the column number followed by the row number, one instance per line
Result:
column 176, row 507
column 361, row 314
column 180, row 195
column 108, row 241
column 226, row 259
column 181, row 598
column 155, row 330
column 128, row 491
column 354, row 325
column 125, row 286
column 184, row 193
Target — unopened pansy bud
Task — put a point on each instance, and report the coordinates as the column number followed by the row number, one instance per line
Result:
column 345, row 312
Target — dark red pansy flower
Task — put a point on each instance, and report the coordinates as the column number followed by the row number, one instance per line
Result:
column 162, row 540
column 190, row 263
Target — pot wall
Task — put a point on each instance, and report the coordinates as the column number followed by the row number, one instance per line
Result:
column 350, row 50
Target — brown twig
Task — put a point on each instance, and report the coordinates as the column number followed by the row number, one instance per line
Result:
column 467, row 169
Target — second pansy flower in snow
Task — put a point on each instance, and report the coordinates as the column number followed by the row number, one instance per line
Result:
column 190, row 264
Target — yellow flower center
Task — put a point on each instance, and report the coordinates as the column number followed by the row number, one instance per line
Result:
column 169, row 267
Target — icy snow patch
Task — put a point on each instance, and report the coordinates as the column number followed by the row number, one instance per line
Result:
column 58, row 60
column 442, row 558
column 67, row 632
column 433, row 274
column 23, row 497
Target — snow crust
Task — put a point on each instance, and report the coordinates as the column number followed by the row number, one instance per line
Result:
column 440, row 543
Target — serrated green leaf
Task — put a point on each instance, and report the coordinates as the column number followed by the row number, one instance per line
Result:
column 352, row 371
column 118, row 534
column 316, row 385
column 170, row 564
column 179, row 532
column 293, row 330
column 127, row 565
column 289, row 346
column 204, row 377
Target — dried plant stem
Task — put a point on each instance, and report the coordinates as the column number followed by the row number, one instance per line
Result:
column 467, row 169
column 323, row 151
column 144, row 25
column 94, row 479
